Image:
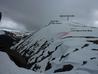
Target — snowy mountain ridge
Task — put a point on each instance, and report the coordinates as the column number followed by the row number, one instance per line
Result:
column 61, row 48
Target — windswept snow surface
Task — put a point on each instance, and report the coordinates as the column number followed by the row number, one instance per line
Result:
column 8, row 67
column 62, row 48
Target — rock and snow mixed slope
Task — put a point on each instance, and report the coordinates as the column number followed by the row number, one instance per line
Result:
column 9, row 37
column 62, row 48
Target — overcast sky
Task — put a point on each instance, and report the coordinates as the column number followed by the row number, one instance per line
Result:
column 34, row 14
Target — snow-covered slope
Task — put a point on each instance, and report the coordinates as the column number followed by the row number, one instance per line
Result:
column 62, row 48
column 8, row 67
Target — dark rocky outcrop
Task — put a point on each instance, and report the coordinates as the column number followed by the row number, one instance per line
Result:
column 86, row 45
column 17, row 58
column 93, row 41
column 49, row 66
column 6, row 41
column 64, row 68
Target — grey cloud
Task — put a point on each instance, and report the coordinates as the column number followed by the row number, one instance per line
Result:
column 35, row 14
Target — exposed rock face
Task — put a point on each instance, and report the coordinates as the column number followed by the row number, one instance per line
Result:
column 8, row 39
column 64, row 68
column 5, row 41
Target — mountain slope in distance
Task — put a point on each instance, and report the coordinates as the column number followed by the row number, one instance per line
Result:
column 61, row 47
